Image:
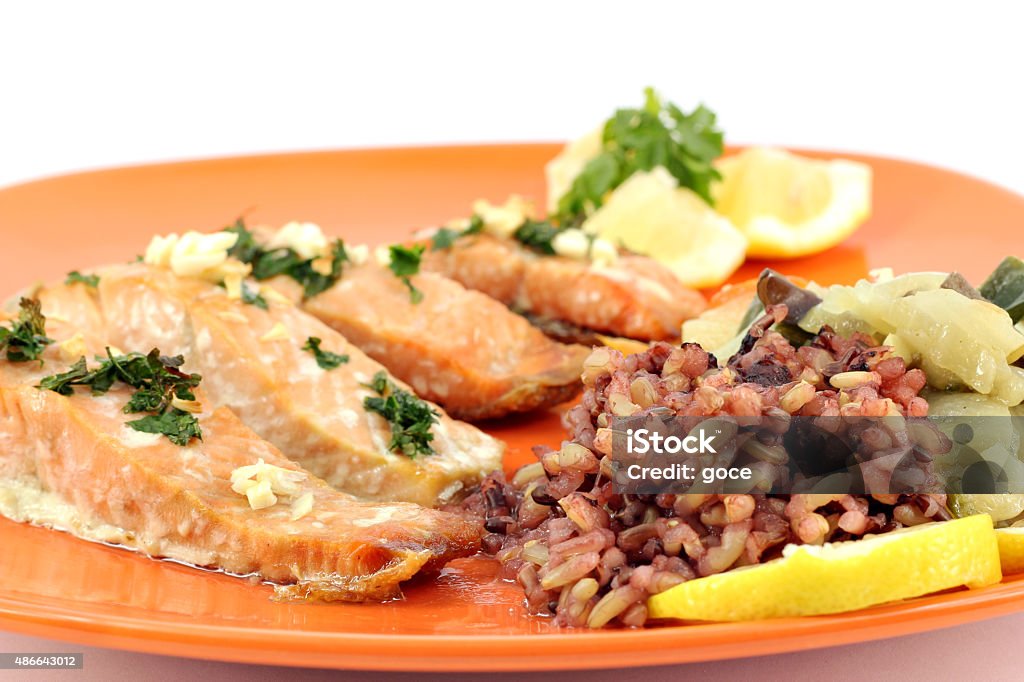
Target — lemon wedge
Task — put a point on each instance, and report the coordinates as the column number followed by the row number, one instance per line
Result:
column 651, row 215
column 1011, row 549
column 788, row 205
column 843, row 576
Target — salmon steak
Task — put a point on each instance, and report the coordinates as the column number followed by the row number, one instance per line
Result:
column 455, row 346
column 73, row 462
column 634, row 297
column 259, row 360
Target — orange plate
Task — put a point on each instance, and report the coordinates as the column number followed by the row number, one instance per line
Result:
column 53, row 585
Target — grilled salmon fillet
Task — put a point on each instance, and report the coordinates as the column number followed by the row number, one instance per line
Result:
column 253, row 361
column 456, row 347
column 636, row 297
column 119, row 486
column 71, row 462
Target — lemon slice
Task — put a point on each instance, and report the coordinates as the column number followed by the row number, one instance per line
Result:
column 624, row 345
column 649, row 214
column 843, row 576
column 1011, row 549
column 790, row 206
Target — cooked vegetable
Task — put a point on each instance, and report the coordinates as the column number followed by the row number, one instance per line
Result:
column 1005, row 287
column 161, row 386
column 26, row 338
column 324, row 358
column 774, row 289
column 659, row 134
column 75, row 277
column 405, row 262
column 958, row 341
column 410, row 417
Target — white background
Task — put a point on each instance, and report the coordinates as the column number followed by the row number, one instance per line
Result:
column 85, row 85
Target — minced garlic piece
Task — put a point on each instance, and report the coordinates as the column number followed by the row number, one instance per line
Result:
column 272, row 295
column 603, row 252
column 73, row 348
column 571, row 243
column 195, row 254
column 358, row 253
column 277, row 333
column 302, row 505
column 233, row 285
column 261, row 483
column 232, row 316
column 261, row 495
column 190, row 406
column 305, row 239
column 382, row 254
column 577, row 244
column 503, row 220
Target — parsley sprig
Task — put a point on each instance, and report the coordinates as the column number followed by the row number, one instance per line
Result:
column 285, row 261
column 158, row 380
column 410, row 417
column 324, row 358
column 26, row 338
column 446, row 236
column 405, row 262
column 75, row 277
column 537, row 235
column 659, row 134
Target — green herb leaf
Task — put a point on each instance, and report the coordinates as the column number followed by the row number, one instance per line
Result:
column 268, row 264
column 405, row 262
column 157, row 379
column 659, row 134
column 410, row 417
column 537, row 235
column 75, row 277
column 445, row 236
column 26, row 338
column 180, row 427
column 64, row 383
column 324, row 358
column 1005, row 287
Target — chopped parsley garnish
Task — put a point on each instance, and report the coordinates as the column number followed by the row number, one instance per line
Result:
column 180, row 427
column 537, row 235
column 659, row 134
column 285, row 261
column 446, row 236
column 410, row 417
column 325, row 358
column 75, row 277
column 157, row 380
column 405, row 262
column 26, row 338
